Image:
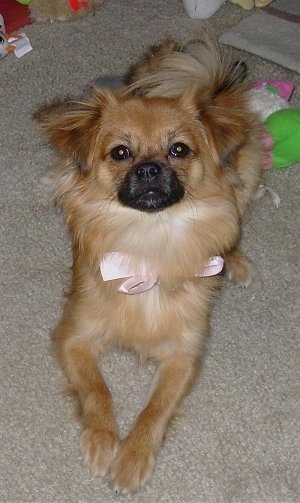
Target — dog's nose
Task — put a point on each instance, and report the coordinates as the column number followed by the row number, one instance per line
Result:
column 147, row 170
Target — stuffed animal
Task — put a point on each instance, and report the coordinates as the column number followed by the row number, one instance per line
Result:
column 59, row 10
column 270, row 98
column 284, row 128
column 19, row 44
column 250, row 4
column 5, row 45
column 204, row 9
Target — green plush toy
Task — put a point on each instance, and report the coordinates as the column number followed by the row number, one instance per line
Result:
column 284, row 128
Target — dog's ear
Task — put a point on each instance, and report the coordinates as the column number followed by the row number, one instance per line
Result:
column 72, row 126
column 227, row 122
column 226, row 119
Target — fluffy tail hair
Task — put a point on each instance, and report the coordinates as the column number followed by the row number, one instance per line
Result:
column 170, row 69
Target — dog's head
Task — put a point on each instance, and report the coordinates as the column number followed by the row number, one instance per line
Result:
column 147, row 153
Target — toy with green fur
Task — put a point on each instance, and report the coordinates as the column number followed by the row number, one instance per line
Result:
column 271, row 100
column 284, row 128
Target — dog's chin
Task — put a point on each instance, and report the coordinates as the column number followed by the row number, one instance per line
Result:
column 151, row 200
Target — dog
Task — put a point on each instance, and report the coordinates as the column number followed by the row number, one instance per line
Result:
column 154, row 181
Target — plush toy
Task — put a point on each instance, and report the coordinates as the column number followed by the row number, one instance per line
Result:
column 204, row 9
column 268, row 96
column 19, row 44
column 250, row 4
column 270, row 99
column 284, row 128
column 59, row 10
column 5, row 46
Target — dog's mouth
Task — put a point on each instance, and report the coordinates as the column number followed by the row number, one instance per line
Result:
column 150, row 187
column 153, row 200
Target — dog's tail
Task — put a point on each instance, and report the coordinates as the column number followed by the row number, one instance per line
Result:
column 170, row 70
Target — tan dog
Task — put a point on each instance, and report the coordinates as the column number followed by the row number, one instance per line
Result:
column 154, row 182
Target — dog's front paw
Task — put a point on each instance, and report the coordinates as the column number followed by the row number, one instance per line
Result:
column 98, row 448
column 132, row 467
column 239, row 269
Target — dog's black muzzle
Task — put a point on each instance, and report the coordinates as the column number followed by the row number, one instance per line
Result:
column 150, row 186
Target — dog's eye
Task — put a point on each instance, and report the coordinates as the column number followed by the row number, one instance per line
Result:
column 120, row 153
column 179, row 150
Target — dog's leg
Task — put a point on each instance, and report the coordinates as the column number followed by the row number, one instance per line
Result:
column 238, row 268
column 99, row 439
column 135, row 460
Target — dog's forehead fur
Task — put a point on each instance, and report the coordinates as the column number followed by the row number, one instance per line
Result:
column 140, row 121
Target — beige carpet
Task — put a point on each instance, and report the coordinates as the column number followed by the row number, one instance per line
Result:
column 237, row 439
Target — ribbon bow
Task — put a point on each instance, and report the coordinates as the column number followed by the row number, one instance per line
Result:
column 116, row 265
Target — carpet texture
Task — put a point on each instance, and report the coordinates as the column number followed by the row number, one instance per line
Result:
column 273, row 33
column 237, row 440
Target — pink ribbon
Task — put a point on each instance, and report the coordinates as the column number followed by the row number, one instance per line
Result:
column 214, row 266
column 116, row 265
column 138, row 284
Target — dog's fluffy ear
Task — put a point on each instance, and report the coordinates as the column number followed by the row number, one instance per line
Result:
column 226, row 119
column 72, row 126
column 227, row 123
column 57, row 107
